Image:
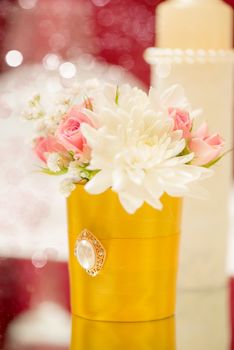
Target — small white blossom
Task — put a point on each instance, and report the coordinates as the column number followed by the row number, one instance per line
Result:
column 74, row 170
column 53, row 161
column 34, row 109
column 53, row 121
column 66, row 187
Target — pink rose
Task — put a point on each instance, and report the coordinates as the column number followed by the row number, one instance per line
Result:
column 45, row 145
column 206, row 147
column 182, row 121
column 69, row 133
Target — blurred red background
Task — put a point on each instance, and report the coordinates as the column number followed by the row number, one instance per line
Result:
column 115, row 31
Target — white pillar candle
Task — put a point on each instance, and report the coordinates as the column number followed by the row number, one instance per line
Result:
column 206, row 73
column 194, row 24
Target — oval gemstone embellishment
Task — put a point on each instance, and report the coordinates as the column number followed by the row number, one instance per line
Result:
column 90, row 253
column 85, row 254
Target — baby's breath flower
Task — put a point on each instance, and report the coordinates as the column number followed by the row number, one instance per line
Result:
column 66, row 187
column 74, row 170
column 54, row 161
column 34, row 110
column 35, row 100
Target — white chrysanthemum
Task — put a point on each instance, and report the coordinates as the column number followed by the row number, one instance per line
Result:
column 136, row 149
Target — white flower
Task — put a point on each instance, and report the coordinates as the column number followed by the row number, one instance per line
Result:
column 53, row 161
column 74, row 170
column 66, row 187
column 136, row 149
column 34, row 110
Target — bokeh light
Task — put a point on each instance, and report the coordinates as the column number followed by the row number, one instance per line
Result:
column 14, row 58
column 39, row 259
column 85, row 61
column 27, row 4
column 100, row 3
column 51, row 61
column 67, row 70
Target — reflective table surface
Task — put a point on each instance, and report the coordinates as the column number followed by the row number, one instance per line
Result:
column 34, row 315
column 200, row 323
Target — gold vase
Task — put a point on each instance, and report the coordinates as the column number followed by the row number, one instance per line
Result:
column 93, row 335
column 138, row 279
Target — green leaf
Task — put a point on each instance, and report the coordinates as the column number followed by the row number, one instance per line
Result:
column 86, row 173
column 185, row 151
column 117, row 96
column 93, row 173
column 71, row 153
column 54, row 173
column 213, row 162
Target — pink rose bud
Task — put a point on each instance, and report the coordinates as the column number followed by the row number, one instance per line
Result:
column 182, row 121
column 206, row 148
column 45, row 145
column 69, row 133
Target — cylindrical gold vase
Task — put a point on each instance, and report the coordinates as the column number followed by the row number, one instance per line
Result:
column 138, row 279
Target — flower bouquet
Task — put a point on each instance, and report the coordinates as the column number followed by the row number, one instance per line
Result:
column 127, row 158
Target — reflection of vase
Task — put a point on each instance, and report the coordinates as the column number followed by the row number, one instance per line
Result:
column 138, row 280
column 92, row 335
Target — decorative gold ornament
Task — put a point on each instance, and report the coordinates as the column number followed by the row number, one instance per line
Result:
column 90, row 253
